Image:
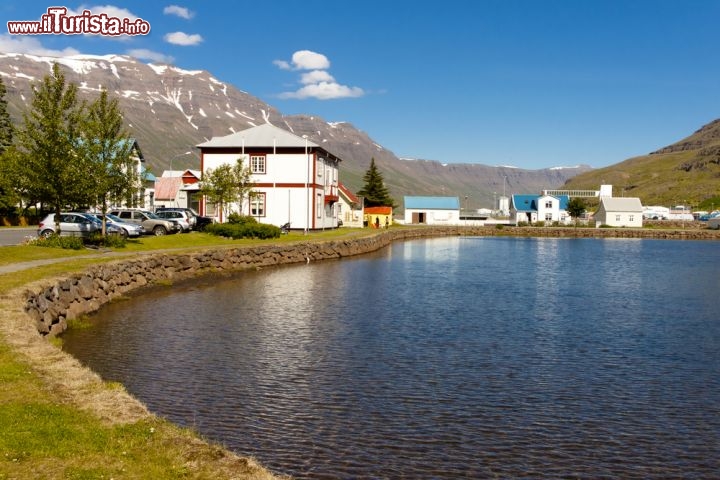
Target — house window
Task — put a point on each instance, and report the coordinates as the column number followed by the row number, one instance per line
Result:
column 257, row 205
column 631, row 218
column 617, row 218
column 548, row 204
column 548, row 217
column 319, row 205
column 257, row 163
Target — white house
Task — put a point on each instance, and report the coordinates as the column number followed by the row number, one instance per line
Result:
column 295, row 180
column 432, row 210
column 350, row 208
column 543, row 208
column 619, row 212
column 178, row 188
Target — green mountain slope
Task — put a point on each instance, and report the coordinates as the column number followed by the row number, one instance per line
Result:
column 686, row 172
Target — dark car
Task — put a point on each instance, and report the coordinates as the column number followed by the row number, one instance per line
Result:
column 197, row 222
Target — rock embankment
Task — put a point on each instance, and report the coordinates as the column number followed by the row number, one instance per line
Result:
column 52, row 304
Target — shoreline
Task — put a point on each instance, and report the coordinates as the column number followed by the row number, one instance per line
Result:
column 51, row 302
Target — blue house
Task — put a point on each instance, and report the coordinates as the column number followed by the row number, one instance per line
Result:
column 543, row 208
column 432, row 210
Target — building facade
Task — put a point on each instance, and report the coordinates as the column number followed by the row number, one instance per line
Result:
column 432, row 210
column 295, row 180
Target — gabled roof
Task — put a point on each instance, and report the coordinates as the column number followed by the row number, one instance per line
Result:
column 378, row 210
column 524, row 203
column 265, row 135
column 433, row 203
column 620, row 204
column 166, row 188
column 529, row 203
column 351, row 197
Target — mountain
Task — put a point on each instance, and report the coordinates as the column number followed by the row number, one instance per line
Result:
column 686, row 172
column 170, row 110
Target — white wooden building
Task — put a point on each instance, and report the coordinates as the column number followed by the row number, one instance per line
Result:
column 295, row 180
column 619, row 212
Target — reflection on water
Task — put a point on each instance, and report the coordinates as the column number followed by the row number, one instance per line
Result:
column 441, row 358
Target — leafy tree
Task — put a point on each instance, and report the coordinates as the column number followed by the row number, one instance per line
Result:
column 8, row 199
column 50, row 167
column 227, row 184
column 575, row 208
column 374, row 190
column 112, row 177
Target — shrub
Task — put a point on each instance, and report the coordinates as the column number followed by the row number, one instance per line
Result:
column 244, row 230
column 541, row 223
column 522, row 224
column 237, row 219
column 499, row 226
column 111, row 240
column 56, row 241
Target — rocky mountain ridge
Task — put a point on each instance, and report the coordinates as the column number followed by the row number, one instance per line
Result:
column 170, row 110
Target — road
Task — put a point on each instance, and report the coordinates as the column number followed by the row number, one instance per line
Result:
column 15, row 235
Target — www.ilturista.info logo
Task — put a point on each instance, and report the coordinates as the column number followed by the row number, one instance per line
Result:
column 57, row 22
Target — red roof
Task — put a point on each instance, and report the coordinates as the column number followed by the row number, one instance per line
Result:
column 348, row 194
column 166, row 188
column 378, row 210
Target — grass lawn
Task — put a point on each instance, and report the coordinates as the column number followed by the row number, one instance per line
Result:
column 48, row 433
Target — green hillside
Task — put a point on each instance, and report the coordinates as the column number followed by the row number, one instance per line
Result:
column 686, row 172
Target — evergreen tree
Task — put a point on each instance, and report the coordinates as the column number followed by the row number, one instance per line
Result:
column 6, row 127
column 227, row 184
column 374, row 191
column 52, row 168
column 8, row 198
column 112, row 176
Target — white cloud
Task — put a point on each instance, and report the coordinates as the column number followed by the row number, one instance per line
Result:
column 31, row 46
column 282, row 64
column 181, row 12
column 317, row 82
column 145, row 54
column 325, row 91
column 316, row 76
column 181, row 38
column 307, row 60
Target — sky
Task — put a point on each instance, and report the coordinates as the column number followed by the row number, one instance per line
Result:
column 526, row 83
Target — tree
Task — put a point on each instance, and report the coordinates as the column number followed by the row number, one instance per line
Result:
column 374, row 191
column 576, row 208
column 50, row 166
column 8, row 198
column 227, row 184
column 108, row 150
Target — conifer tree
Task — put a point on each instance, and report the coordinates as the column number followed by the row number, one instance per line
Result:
column 374, row 191
column 51, row 166
column 8, row 198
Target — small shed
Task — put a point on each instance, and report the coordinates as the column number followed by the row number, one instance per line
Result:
column 432, row 210
column 378, row 217
column 619, row 212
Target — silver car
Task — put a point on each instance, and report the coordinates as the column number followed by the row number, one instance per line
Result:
column 153, row 224
column 73, row 224
column 131, row 230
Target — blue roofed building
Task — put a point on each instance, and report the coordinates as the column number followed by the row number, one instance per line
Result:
column 539, row 208
column 432, row 210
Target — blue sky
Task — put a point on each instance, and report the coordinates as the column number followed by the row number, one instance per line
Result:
column 529, row 83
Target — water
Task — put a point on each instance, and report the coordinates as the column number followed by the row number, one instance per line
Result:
column 441, row 358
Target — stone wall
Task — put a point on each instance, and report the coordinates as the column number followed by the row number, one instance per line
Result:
column 52, row 304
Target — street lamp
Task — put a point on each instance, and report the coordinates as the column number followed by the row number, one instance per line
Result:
column 178, row 155
column 466, row 209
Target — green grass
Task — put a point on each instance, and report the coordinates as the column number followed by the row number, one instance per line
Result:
column 46, row 436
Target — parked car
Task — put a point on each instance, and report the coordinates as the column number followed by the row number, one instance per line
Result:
column 151, row 223
column 197, row 222
column 130, row 229
column 185, row 220
column 74, row 224
column 714, row 223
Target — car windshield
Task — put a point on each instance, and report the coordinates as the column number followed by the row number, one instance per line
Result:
column 151, row 215
column 114, row 218
column 92, row 218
